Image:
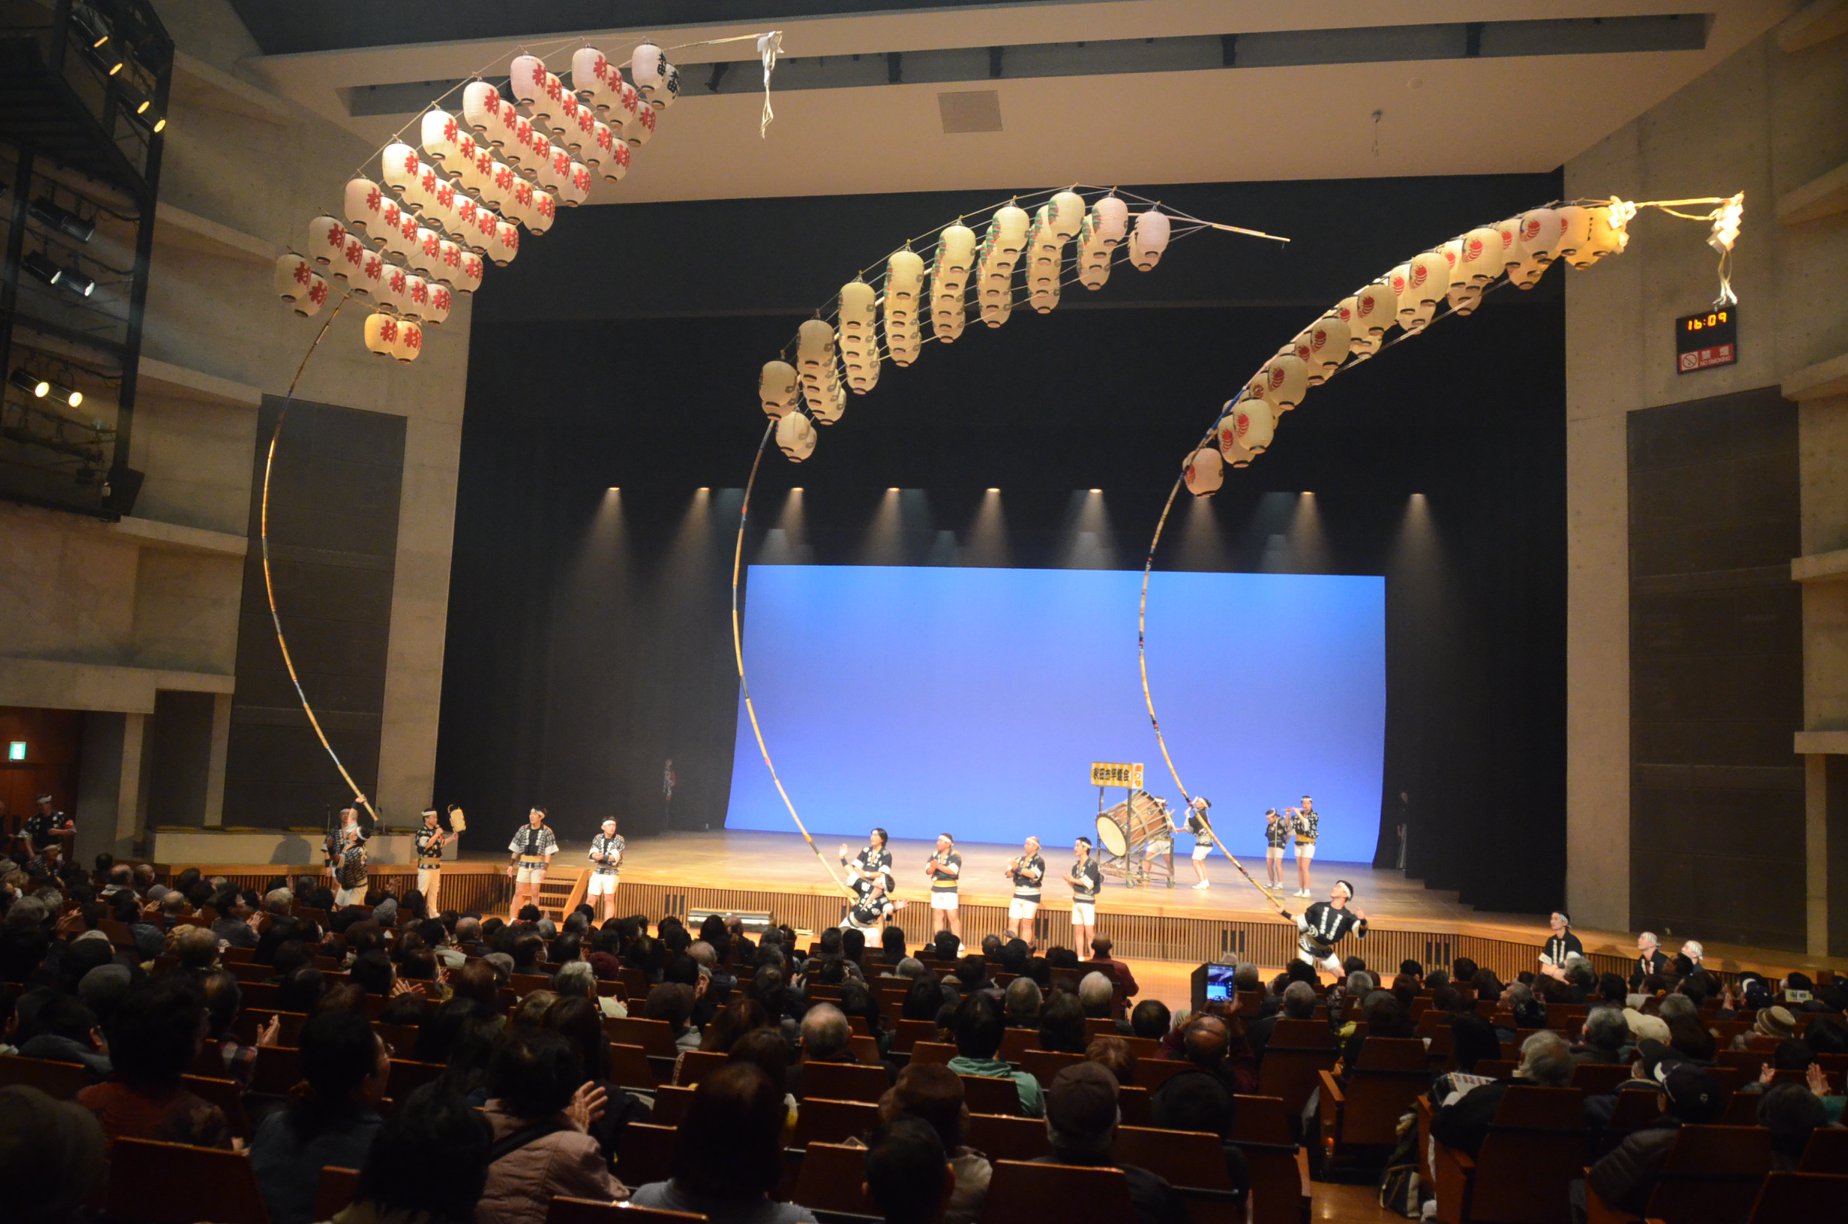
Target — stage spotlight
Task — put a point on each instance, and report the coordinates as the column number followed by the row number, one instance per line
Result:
column 705, row 488
column 160, row 124
column 615, row 488
column 76, row 282
column 797, row 489
column 115, row 68
column 32, row 384
column 994, row 488
column 1097, row 490
column 72, row 396
column 63, row 220
column 37, row 263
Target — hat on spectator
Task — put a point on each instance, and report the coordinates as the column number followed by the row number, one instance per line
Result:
column 1082, row 1101
column 1657, row 1058
column 1775, row 1022
column 1797, row 987
column 1691, row 1092
column 149, row 942
column 157, row 891
column 1651, row 1028
column 51, row 1154
column 44, row 798
column 103, row 986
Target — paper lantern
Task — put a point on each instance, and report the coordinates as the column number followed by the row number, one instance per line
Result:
column 1464, row 296
column 1044, row 296
column 497, row 185
column 626, row 109
column 1107, row 225
column 862, row 366
column 1285, row 380
column 615, row 162
column 409, row 342
column 1399, row 280
column 1574, row 230
column 823, row 394
column 440, row 136
column 316, row 298
column 1427, row 279
column 407, row 247
column 1149, row 239
column 545, row 211
column 292, row 277
column 1542, row 230
column 577, row 185
column 391, row 293
column 814, row 345
column 658, row 80
column 1452, row 252
column 567, row 132
column 1094, row 274
column 1605, row 235
column 1518, row 261
column 904, row 281
column 381, row 334
column 1375, row 309
column 589, row 69
column 481, row 110
column 1007, row 234
column 371, row 280
column 468, row 273
column 1322, row 347
column 1233, row 452
column 598, row 145
column 1204, row 472
column 904, row 346
column 399, row 168
column 426, row 252
column 955, row 255
column 995, row 310
column 442, row 299
column 506, row 244
column 528, row 77
column 858, row 302
column 326, row 239
column 352, row 264
column 777, row 390
column 1256, row 421
column 585, row 144
column 949, row 311
column 1481, row 260
column 795, row 437
column 363, row 199
column 1065, row 215
column 638, row 127
column 416, row 300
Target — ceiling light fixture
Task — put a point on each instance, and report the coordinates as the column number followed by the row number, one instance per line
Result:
column 37, row 263
column 74, row 280
column 31, row 383
column 51, row 216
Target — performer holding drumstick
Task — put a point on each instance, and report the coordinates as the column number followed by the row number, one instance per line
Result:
column 1085, row 878
column 1202, row 835
column 1026, row 871
column 944, row 871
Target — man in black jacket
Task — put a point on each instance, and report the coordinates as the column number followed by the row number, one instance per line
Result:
column 1627, row 1177
column 1649, row 960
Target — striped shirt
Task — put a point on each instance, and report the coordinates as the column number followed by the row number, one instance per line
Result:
column 1086, row 879
column 943, row 881
column 1027, row 873
column 529, row 842
column 612, row 846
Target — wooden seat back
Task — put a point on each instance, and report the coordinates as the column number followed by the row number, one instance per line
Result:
column 932, row 1052
column 842, row 1081
column 671, row 1105
column 1278, row 1176
column 1290, row 1067
column 61, row 1081
column 1133, row 1102
column 910, row 1032
column 990, row 1094
column 1826, row 1152
column 1152, row 1073
column 563, row 1210
column 335, row 1191
column 695, row 1065
column 1021, row 1191
column 656, row 1037
column 1534, row 1148
column 407, row 1076
column 1043, row 1065
column 1798, row 1196
column 1015, row 1042
column 1183, row 1158
column 630, row 1068
column 1596, row 1078
column 1711, row 1174
column 830, row 1178
column 278, row 1070
column 225, row 1094
column 823, row 1121
column 645, row 1152
column 1260, row 1119
column 1003, row 1137
column 172, row 1183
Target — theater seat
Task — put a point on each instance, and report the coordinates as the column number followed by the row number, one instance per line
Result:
column 592, row 1211
column 1799, row 1196
column 172, row 1183
column 1534, row 1147
column 830, row 1178
column 645, row 1153
column 60, row 1081
column 1184, row 1158
column 1364, row 1113
column 1020, row 1191
column 1827, row 1151
column 335, row 1192
column 824, row 1121
column 1001, row 1137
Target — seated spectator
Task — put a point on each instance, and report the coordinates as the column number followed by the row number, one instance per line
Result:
column 907, row 1174
column 432, row 1128
column 540, row 1112
column 1791, row 1112
column 891, row 947
column 51, row 1157
column 1546, row 1060
column 826, row 1038
column 1062, row 1027
column 1081, row 1127
column 1625, row 1179
column 1096, row 996
column 153, row 1038
column 923, row 1000
column 945, row 947
column 578, row 1021
column 1122, row 980
column 1210, row 1046
column 1298, row 1003
column 196, row 947
column 1191, row 1101
column 1114, row 1053
column 222, row 1001
column 237, row 921
column 1604, row 1039
column 977, row 1030
column 733, row 1021
column 331, row 1120
column 933, row 1094
column 1021, row 1003
column 1151, row 1019
column 972, row 974
column 729, row 1160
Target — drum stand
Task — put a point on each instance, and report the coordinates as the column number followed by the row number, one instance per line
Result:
column 1142, row 866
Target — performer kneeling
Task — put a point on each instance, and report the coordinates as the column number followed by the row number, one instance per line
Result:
column 944, row 869
column 1026, row 871
column 606, row 852
column 875, row 905
column 1561, row 948
column 532, row 848
column 1086, row 878
column 1323, row 925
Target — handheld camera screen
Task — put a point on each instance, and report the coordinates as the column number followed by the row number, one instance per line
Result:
column 1219, row 983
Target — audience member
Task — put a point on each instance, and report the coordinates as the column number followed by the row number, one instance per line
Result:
column 51, row 1157
column 1546, row 1060
column 1193, row 1101
column 154, row 1036
column 331, row 1119
column 1062, row 1028
column 431, row 1130
column 1081, row 1126
column 1625, row 1178
column 540, row 1111
column 933, row 1094
column 729, row 1159
column 907, row 1173
column 977, row 1029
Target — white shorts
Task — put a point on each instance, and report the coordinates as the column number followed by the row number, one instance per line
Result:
column 1019, row 909
column 1201, row 851
column 1084, row 913
column 602, row 884
column 344, row 897
column 1305, row 850
column 1331, row 962
column 848, row 924
column 427, row 876
column 943, row 900
column 529, row 875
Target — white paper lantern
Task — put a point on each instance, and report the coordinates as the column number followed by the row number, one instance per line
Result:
column 326, row 239
column 904, row 281
column 857, row 310
column 1044, row 296
column 1256, row 421
column 1463, row 296
column 1604, row 236
column 1007, row 234
column 1109, row 223
column 497, row 185
column 1542, row 230
column 381, row 334
column 599, row 144
column 441, row 136
column 1427, row 279
column 1376, row 309
column 416, row 298
column 442, row 299
column 949, row 312
column 1574, row 230
column 407, row 236
column 1286, row 380
column 814, row 344
column 795, row 437
column 585, row 145
column 862, row 366
column 658, row 80
column 467, row 233
column 506, row 244
column 292, row 277
column 955, row 256
column 1452, row 252
column 1094, row 274
column 391, row 293
column 830, row 405
column 1518, row 261
column 544, row 211
column 1204, row 472
column 615, row 162
column 371, row 281
column 317, row 296
column 481, row 110
column 1065, row 215
column 363, row 200
column 468, row 275
column 428, row 257
column 606, row 89
column 388, row 234
column 777, row 388
column 1322, row 347
column 567, row 132
column 1481, row 260
column 626, row 109
column 1399, row 280
column 408, row 345
column 639, row 128
column 528, row 75
column 400, row 168
column 1149, row 239
column 1235, row 453
column 577, row 185
column 904, row 346
column 995, row 310
column 589, row 69
column 351, row 266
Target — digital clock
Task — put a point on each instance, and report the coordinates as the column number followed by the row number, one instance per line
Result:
column 1706, row 338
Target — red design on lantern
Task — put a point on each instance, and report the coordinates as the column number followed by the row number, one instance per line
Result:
column 466, row 210
column 428, row 180
column 472, row 267
column 452, row 255
column 301, row 273
column 355, row 253
column 413, row 337
column 317, row 292
column 390, row 214
column 410, row 163
column 432, row 244
column 420, row 292
column 621, row 153
column 449, row 131
column 466, row 147
column 648, row 118
column 486, row 223
column 374, row 267
column 445, row 196
column 372, row 200
column 561, row 164
column 580, row 179
column 336, row 237
column 440, row 299
column 547, row 207
column 554, row 89
column 523, row 192
column 503, row 178
column 388, row 330
column 396, row 283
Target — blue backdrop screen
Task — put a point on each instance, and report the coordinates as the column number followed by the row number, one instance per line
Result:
column 928, row 698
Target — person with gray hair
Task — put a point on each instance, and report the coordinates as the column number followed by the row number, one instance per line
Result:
column 1678, row 1005
column 196, row 947
column 826, row 1038
column 1094, row 995
column 1082, row 1116
column 278, row 901
column 1246, row 977
column 27, row 911
column 1649, row 960
column 1022, row 1001
column 575, row 979
column 1358, row 985
column 1695, row 953
column 468, row 931
column 1603, row 1038
column 1546, row 1062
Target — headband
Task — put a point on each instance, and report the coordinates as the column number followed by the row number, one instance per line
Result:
column 1348, row 886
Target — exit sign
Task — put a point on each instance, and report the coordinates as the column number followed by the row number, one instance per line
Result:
column 1706, row 338
column 16, row 750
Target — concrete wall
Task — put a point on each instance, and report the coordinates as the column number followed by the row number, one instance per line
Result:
column 1767, row 121
column 101, row 617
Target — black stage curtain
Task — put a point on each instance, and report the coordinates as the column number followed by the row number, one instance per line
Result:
column 589, row 634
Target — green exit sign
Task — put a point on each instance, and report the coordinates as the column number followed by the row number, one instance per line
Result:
column 16, row 750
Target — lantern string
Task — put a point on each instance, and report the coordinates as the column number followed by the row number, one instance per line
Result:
column 269, row 582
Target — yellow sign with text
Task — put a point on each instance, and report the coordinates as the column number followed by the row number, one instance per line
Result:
column 1116, row 773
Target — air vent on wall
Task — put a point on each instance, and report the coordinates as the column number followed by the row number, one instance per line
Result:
column 969, row 110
